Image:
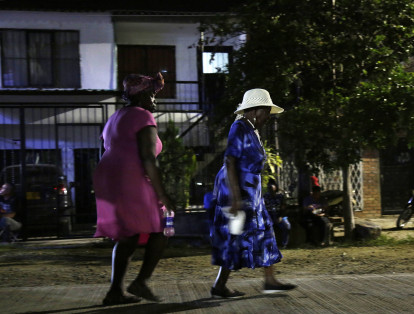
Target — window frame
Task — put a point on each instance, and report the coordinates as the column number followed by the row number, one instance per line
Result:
column 217, row 49
column 53, row 59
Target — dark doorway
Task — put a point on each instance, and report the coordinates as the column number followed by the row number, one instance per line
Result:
column 215, row 62
column 397, row 177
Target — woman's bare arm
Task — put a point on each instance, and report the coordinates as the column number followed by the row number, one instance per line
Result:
column 147, row 140
column 234, row 185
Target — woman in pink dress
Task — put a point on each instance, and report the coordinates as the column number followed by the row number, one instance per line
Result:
column 130, row 196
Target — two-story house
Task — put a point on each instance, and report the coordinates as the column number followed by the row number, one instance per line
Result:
column 61, row 74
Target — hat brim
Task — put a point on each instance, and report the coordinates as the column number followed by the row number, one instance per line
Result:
column 274, row 109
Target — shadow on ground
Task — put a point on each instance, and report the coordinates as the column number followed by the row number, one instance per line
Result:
column 157, row 307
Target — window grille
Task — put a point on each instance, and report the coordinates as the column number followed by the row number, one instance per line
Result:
column 328, row 180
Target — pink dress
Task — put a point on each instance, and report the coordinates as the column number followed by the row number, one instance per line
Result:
column 126, row 201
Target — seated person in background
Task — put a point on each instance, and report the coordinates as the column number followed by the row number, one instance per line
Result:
column 275, row 205
column 8, row 209
column 314, row 180
column 318, row 227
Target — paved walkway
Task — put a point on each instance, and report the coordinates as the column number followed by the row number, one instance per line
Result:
column 321, row 294
column 392, row 293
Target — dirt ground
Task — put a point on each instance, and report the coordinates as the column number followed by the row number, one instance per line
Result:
column 32, row 266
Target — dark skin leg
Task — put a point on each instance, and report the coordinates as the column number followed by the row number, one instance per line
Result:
column 269, row 277
column 225, row 273
column 222, row 278
column 153, row 252
column 122, row 254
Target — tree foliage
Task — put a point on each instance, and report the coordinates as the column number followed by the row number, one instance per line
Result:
column 336, row 66
column 272, row 163
column 177, row 164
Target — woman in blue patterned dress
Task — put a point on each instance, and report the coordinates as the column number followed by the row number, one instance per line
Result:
column 238, row 188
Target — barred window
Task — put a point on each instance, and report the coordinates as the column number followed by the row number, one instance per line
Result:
column 39, row 58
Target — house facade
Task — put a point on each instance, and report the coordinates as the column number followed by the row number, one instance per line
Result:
column 61, row 75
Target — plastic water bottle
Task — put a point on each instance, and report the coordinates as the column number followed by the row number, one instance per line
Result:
column 169, row 230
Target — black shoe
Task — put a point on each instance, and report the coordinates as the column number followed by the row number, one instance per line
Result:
column 141, row 290
column 115, row 298
column 225, row 293
column 268, row 288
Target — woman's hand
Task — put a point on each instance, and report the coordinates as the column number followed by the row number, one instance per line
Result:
column 236, row 205
column 168, row 203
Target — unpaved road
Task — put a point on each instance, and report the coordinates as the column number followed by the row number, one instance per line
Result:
column 32, row 266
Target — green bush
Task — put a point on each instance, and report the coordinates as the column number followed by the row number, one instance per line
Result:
column 273, row 161
column 177, row 164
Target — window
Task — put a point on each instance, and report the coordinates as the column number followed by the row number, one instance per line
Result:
column 215, row 62
column 40, row 58
column 216, row 59
column 148, row 60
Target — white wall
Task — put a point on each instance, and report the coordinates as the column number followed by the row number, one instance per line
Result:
column 96, row 40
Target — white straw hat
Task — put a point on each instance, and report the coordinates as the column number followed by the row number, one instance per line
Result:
column 257, row 97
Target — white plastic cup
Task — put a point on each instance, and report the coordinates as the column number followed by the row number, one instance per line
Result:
column 236, row 222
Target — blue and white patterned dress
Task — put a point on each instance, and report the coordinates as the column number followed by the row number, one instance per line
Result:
column 256, row 246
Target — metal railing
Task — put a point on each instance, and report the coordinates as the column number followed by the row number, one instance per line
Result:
column 66, row 134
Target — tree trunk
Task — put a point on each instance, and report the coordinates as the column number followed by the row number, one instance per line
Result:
column 304, row 184
column 347, row 206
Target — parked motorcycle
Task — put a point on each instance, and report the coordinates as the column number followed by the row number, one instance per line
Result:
column 406, row 214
